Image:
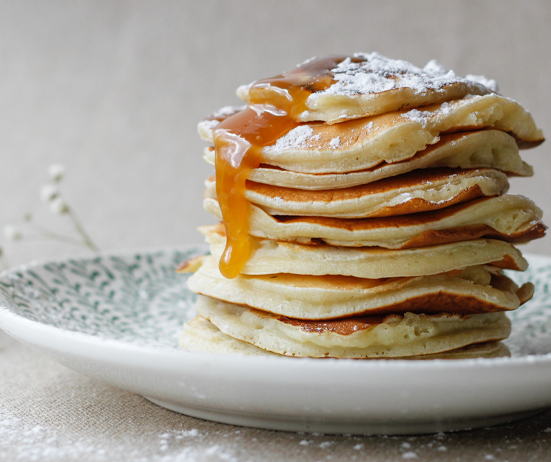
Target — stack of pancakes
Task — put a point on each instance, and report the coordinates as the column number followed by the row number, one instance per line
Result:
column 379, row 224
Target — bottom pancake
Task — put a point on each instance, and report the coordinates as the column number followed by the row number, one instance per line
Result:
column 200, row 335
column 356, row 337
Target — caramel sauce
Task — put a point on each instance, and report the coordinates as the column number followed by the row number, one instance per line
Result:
column 274, row 106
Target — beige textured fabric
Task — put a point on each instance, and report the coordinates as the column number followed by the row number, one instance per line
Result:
column 51, row 414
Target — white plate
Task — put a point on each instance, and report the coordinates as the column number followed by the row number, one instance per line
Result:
column 117, row 318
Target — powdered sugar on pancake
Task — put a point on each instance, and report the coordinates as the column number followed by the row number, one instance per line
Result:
column 422, row 117
column 225, row 112
column 298, row 137
column 379, row 74
column 488, row 83
column 207, row 126
column 335, row 142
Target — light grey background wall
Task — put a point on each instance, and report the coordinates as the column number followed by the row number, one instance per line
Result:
column 114, row 89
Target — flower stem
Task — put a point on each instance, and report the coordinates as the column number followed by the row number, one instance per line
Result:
column 80, row 230
column 45, row 235
column 4, row 265
column 49, row 234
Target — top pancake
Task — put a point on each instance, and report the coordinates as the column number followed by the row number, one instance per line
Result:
column 392, row 137
column 379, row 84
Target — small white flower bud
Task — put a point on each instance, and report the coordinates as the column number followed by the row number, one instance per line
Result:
column 49, row 192
column 56, row 172
column 58, row 206
column 12, row 233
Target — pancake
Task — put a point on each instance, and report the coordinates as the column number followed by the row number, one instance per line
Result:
column 413, row 192
column 395, row 136
column 477, row 289
column 206, row 126
column 510, row 218
column 271, row 257
column 359, row 337
column 379, row 84
column 200, row 335
column 480, row 149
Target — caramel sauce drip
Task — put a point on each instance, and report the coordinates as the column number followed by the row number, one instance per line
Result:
column 274, row 106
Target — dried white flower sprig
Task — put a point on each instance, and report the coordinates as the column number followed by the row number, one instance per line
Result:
column 12, row 233
column 56, row 172
column 51, row 194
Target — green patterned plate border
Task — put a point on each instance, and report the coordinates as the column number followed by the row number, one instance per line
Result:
column 531, row 332
column 135, row 298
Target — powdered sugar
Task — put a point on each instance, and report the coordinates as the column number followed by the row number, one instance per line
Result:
column 227, row 111
column 295, row 139
column 25, row 442
column 488, row 83
column 445, row 108
column 378, row 74
column 434, row 68
column 409, row 455
column 209, row 124
column 37, row 443
column 335, row 142
column 423, row 117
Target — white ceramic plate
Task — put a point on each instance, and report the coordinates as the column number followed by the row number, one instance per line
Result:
column 117, row 318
